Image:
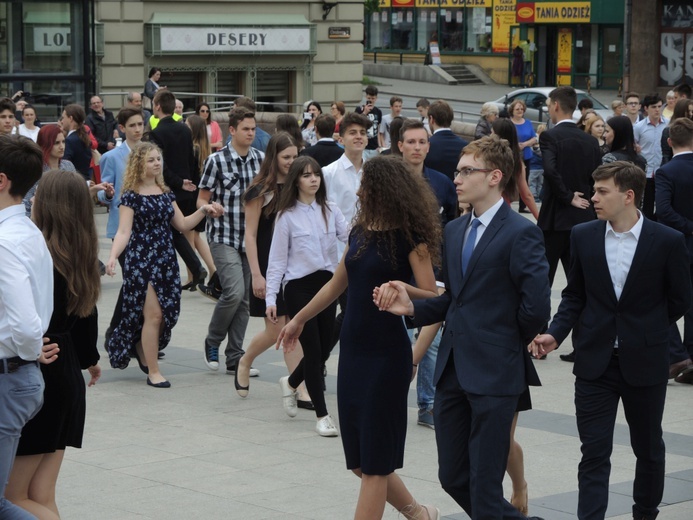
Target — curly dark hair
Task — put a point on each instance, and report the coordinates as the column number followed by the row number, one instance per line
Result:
column 393, row 199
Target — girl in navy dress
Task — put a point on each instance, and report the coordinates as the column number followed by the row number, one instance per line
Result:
column 151, row 280
column 396, row 236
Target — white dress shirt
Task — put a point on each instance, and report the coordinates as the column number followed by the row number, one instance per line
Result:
column 303, row 244
column 620, row 250
column 484, row 220
column 26, row 285
column 342, row 181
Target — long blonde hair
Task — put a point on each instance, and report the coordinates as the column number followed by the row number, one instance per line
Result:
column 137, row 167
column 64, row 212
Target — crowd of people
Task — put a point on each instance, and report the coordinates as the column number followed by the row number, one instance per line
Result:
column 380, row 216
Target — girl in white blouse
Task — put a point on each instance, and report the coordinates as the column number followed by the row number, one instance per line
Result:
column 302, row 259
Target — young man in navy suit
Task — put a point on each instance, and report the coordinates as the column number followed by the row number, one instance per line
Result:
column 326, row 150
column 445, row 147
column 629, row 280
column 673, row 195
column 497, row 299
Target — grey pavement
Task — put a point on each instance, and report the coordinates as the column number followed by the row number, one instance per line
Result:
column 197, row 450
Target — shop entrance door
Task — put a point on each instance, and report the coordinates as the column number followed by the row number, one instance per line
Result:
column 611, row 57
column 546, row 59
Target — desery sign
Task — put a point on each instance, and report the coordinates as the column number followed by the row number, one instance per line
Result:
column 554, row 12
column 235, row 39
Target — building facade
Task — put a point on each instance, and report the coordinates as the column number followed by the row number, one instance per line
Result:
column 280, row 53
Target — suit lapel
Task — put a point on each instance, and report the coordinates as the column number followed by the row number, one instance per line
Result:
column 641, row 252
column 455, row 253
column 494, row 226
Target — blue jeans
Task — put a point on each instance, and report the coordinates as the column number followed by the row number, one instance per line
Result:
column 21, row 397
column 231, row 314
column 425, row 389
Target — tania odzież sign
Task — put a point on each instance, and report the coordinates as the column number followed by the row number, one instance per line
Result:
column 235, row 39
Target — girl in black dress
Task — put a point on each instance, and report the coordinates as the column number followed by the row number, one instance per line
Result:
column 396, row 236
column 63, row 210
column 261, row 200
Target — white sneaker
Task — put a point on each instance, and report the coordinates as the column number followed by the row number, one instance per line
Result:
column 326, row 428
column 288, row 397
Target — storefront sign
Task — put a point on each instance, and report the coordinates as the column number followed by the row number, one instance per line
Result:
column 676, row 50
column 677, row 13
column 554, row 12
column 402, row 3
column 564, row 60
column 235, row 39
column 52, row 39
column 339, row 33
column 450, row 3
column 503, row 19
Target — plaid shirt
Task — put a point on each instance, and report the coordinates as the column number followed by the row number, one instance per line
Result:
column 227, row 176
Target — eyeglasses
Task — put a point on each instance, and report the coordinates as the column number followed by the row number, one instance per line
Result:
column 466, row 172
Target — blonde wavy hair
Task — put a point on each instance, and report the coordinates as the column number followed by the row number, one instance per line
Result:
column 137, row 168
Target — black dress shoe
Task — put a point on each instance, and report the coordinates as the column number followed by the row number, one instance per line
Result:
column 160, row 354
column 188, row 286
column 163, row 384
column 143, row 368
column 241, row 390
column 306, row 405
column 570, row 358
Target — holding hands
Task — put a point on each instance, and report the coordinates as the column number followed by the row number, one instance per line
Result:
column 105, row 186
column 393, row 297
column 542, row 345
column 214, row 210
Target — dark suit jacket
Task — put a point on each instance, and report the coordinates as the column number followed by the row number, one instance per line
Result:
column 444, row 152
column 78, row 154
column 325, row 152
column 570, row 156
column 674, row 197
column 175, row 141
column 657, row 292
column 102, row 129
column 491, row 314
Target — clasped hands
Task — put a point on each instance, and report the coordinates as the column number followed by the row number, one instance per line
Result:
column 393, row 298
column 214, row 209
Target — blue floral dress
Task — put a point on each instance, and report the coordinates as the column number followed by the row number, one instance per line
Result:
column 149, row 260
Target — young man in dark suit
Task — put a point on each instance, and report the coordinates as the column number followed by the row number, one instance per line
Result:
column 673, row 195
column 629, row 281
column 497, row 299
column 326, row 150
column 446, row 147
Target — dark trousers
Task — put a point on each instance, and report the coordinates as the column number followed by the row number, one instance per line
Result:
column 596, row 405
column 186, row 252
column 473, row 438
column 557, row 245
column 648, row 200
column 678, row 350
column 316, row 338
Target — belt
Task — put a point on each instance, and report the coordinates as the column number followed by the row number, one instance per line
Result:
column 9, row 365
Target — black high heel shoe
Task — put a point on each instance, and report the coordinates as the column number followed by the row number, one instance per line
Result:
column 242, row 390
column 200, row 278
column 190, row 286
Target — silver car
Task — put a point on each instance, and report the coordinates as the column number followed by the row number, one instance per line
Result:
column 535, row 99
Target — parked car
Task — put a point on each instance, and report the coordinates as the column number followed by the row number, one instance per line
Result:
column 535, row 99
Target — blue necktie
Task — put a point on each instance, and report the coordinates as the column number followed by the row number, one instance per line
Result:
column 468, row 248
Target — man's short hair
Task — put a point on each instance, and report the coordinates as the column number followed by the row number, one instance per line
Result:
column 683, row 90
column 395, row 99
column 324, row 125
column 441, row 112
column 352, row 118
column 126, row 113
column 371, row 90
column 585, row 103
column 495, row 153
column 681, row 133
column 238, row 114
column 652, row 99
column 7, row 104
column 245, row 102
column 131, row 96
column 566, row 97
column 166, row 100
column 423, row 102
column 21, row 160
column 410, row 124
column 630, row 95
column 626, row 177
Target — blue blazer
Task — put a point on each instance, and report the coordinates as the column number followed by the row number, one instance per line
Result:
column 674, row 197
column 444, row 152
column 113, row 165
column 657, row 292
column 493, row 312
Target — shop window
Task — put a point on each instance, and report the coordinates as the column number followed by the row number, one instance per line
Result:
column 676, row 43
column 426, row 25
column 478, row 29
column 273, row 91
column 451, row 29
column 379, row 30
column 403, row 29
